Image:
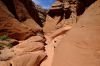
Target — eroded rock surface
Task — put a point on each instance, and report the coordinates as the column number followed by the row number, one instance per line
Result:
column 46, row 40
column 27, row 53
column 81, row 45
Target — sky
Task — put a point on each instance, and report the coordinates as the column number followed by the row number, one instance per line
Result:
column 44, row 3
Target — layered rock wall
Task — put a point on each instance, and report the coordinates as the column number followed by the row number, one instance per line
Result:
column 19, row 18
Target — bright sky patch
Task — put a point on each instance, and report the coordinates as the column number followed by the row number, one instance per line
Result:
column 44, row 3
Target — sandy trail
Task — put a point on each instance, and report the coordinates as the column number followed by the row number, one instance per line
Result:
column 52, row 41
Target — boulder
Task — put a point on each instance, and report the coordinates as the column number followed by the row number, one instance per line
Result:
column 56, row 9
column 30, row 45
column 30, row 59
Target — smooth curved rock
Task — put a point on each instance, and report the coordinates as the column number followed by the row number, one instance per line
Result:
column 30, row 59
column 81, row 45
column 30, row 45
column 4, row 63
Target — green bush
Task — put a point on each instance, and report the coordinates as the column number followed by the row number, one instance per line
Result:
column 4, row 37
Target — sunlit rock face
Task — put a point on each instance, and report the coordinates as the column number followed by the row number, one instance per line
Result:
column 82, row 42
